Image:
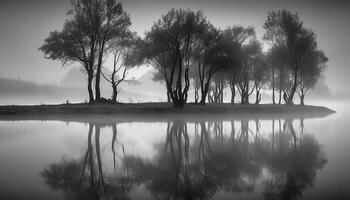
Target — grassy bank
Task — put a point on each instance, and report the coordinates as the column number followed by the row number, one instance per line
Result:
column 160, row 110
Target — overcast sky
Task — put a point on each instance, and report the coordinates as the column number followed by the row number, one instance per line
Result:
column 26, row 23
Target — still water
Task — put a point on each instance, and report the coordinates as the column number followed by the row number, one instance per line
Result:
column 238, row 158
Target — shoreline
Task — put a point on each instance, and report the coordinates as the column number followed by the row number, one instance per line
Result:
column 158, row 111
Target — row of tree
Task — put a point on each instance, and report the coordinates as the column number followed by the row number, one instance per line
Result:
column 187, row 50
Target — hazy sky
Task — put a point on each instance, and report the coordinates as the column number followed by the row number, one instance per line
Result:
column 26, row 23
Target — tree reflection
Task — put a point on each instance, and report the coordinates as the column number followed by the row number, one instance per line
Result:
column 174, row 173
column 293, row 164
column 196, row 161
column 85, row 178
column 214, row 160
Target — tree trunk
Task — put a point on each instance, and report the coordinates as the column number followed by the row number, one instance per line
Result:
column 178, row 103
column 280, row 97
column 205, row 92
column 168, row 97
column 302, row 96
column 281, row 86
column 233, row 94
column 273, row 84
column 258, row 97
column 115, row 93
column 221, row 90
column 294, row 88
column 98, row 78
column 91, row 94
column 202, row 101
column 295, row 84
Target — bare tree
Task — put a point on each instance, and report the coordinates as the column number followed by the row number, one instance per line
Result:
column 125, row 53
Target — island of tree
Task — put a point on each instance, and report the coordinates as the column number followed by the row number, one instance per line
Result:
column 186, row 51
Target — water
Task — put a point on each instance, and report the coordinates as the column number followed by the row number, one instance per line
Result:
column 207, row 158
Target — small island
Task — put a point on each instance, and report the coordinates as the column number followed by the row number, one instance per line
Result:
column 159, row 112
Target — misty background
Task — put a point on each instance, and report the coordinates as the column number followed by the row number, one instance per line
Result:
column 26, row 77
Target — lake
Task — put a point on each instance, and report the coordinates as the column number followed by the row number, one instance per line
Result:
column 206, row 158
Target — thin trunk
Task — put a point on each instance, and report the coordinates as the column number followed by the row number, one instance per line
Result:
column 115, row 93
column 168, row 96
column 258, row 97
column 294, row 88
column 281, row 86
column 273, row 84
column 91, row 94
column 273, row 135
column 221, row 90
column 233, row 93
column 302, row 96
column 98, row 76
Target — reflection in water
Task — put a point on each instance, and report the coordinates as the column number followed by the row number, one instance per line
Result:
column 196, row 161
column 293, row 163
column 85, row 178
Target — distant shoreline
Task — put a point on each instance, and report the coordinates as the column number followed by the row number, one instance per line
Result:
column 158, row 111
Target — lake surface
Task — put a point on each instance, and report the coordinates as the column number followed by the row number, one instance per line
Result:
column 238, row 158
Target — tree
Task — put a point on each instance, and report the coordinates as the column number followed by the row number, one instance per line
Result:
column 111, row 22
column 238, row 35
column 286, row 29
column 245, row 84
column 86, row 36
column 260, row 75
column 207, row 42
column 311, row 67
column 218, row 58
column 171, row 45
column 77, row 42
column 125, row 56
column 276, row 59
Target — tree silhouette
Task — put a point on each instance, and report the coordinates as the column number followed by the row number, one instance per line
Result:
column 112, row 23
column 250, row 52
column 125, row 56
column 76, row 42
column 311, row 67
column 285, row 29
column 172, row 43
column 218, row 58
column 238, row 35
column 86, row 36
